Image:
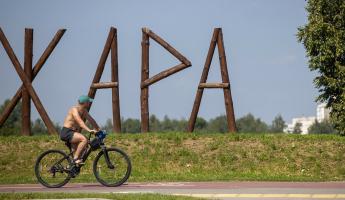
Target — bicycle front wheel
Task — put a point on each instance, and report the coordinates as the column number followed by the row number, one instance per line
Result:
column 119, row 170
column 52, row 168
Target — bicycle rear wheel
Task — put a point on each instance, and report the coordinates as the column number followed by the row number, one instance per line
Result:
column 52, row 168
column 116, row 176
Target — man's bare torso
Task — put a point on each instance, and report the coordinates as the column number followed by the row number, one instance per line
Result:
column 70, row 121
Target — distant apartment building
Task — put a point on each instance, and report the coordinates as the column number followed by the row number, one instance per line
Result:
column 322, row 113
column 306, row 122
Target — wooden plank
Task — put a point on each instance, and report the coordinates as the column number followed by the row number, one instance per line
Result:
column 163, row 75
column 214, row 85
column 104, row 85
column 26, row 101
column 144, row 93
column 167, row 46
column 27, row 83
column 38, row 66
column 115, row 90
column 225, row 78
column 203, row 79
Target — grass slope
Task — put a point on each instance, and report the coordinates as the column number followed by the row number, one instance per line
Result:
column 196, row 157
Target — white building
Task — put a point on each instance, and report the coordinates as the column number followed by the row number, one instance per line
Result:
column 322, row 113
column 305, row 121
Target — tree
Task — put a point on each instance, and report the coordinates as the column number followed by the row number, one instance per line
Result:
column 324, row 40
column 218, row 125
column 200, row 124
column 155, row 124
column 178, row 125
column 324, row 127
column 250, row 124
column 167, row 124
column 13, row 122
column 38, row 127
column 108, row 127
column 181, row 125
column 131, row 126
column 278, row 125
column 297, row 129
column 57, row 126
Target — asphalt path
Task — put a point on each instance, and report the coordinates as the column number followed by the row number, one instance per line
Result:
column 209, row 190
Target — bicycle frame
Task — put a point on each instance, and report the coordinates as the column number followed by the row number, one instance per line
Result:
column 88, row 151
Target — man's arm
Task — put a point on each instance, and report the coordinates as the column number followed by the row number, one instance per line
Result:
column 92, row 121
column 78, row 119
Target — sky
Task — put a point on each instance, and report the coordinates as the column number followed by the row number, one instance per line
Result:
column 267, row 66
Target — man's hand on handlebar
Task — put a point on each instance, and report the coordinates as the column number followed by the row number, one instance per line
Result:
column 93, row 131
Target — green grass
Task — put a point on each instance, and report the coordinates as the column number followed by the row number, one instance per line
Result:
column 196, row 157
column 16, row 196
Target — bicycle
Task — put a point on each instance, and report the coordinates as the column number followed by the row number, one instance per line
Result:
column 111, row 167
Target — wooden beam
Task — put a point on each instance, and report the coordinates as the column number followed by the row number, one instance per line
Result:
column 110, row 46
column 144, row 93
column 230, row 114
column 203, row 79
column 101, row 63
column 26, row 101
column 115, row 90
column 38, row 66
column 27, row 83
column 146, row 81
column 214, row 85
column 163, row 75
column 104, row 85
column 167, row 46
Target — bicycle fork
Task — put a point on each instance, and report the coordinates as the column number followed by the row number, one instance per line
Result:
column 106, row 156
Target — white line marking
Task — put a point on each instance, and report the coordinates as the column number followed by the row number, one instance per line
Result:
column 304, row 196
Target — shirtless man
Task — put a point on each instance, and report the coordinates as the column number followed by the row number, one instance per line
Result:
column 73, row 122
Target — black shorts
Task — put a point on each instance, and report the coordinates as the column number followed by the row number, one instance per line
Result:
column 66, row 134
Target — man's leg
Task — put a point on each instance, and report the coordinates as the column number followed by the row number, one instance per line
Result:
column 79, row 140
column 74, row 147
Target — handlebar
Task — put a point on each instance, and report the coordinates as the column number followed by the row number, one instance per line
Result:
column 101, row 133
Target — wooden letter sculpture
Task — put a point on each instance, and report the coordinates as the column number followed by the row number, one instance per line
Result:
column 146, row 81
column 110, row 45
column 26, row 91
column 27, row 75
column 217, row 39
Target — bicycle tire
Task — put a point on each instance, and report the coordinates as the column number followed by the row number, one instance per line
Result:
column 37, row 173
column 126, row 176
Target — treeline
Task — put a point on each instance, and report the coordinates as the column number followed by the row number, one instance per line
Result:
column 13, row 124
column 245, row 124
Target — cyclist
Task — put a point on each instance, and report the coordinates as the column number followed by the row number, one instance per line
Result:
column 74, row 122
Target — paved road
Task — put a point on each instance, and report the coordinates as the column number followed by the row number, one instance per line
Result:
column 210, row 190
